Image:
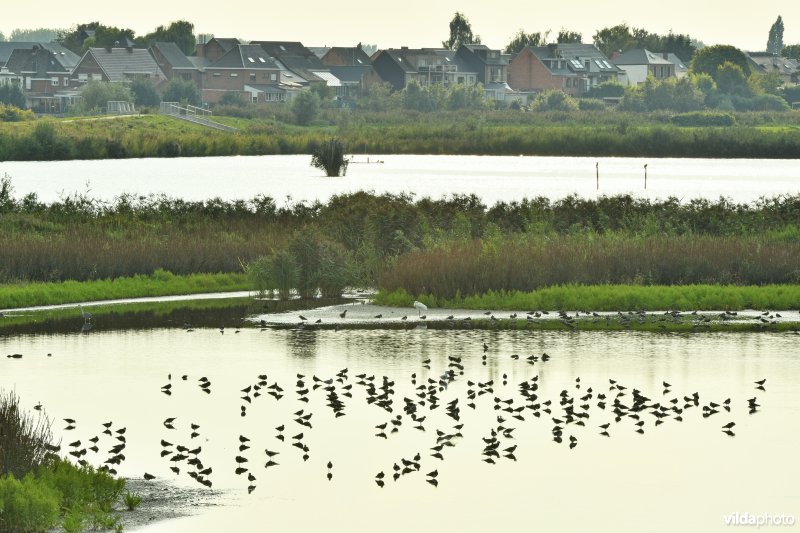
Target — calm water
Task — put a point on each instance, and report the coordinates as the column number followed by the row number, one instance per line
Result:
column 491, row 178
column 678, row 476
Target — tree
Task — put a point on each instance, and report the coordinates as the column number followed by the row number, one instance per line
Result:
column 145, row 93
column 77, row 39
column 12, row 95
column 180, row 32
column 460, row 33
column 522, row 39
column 566, row 36
column 180, row 90
column 554, row 100
column 616, row 39
column 305, row 107
column 709, row 60
column 95, row 95
column 732, row 80
column 39, row 35
column 775, row 40
column 792, row 51
column 2, row 37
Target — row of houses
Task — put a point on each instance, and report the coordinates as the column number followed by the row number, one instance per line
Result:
column 274, row 71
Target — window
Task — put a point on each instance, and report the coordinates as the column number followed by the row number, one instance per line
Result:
column 250, row 59
column 261, row 59
column 66, row 82
column 252, row 76
column 216, row 74
column 54, row 82
column 273, row 77
column 83, row 77
column 234, row 74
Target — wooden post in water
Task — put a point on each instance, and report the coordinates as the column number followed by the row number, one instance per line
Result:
column 645, row 176
column 597, row 170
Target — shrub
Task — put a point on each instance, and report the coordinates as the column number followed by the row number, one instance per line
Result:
column 231, row 98
column 28, row 505
column 11, row 113
column 183, row 91
column 95, row 96
column 329, row 157
column 305, row 107
column 591, row 104
column 12, row 95
column 23, row 438
column 700, row 118
column 606, row 89
column 554, row 100
column 145, row 93
column 132, row 501
column 277, row 273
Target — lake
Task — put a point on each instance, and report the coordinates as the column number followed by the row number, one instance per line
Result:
column 677, row 475
column 492, row 178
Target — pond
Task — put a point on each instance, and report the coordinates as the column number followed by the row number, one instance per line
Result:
column 466, row 396
column 492, row 178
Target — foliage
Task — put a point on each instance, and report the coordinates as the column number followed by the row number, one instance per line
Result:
column 613, row 298
column 38, row 35
column 567, row 36
column 10, row 113
column 554, row 100
column 305, row 107
column 144, row 93
column 323, row 264
column 104, row 36
column 672, row 94
column 460, row 33
column 330, row 157
column 12, row 95
column 522, row 39
column 132, row 501
column 591, row 104
column 180, row 32
column 730, row 79
column 183, row 91
column 791, row 51
column 775, row 40
column 621, row 38
column 95, row 96
column 709, row 59
column 606, row 89
column 283, row 273
column 792, row 94
column 704, row 119
column 27, row 505
column 23, row 438
column 232, row 98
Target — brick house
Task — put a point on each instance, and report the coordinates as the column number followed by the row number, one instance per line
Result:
column 571, row 67
column 174, row 63
column 215, row 48
column 352, row 66
column 491, row 66
column 117, row 65
column 44, row 76
column 426, row 66
column 243, row 65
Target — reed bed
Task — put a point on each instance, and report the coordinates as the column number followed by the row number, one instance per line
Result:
column 478, row 267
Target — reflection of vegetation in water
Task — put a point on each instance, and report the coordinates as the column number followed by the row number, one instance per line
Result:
column 227, row 312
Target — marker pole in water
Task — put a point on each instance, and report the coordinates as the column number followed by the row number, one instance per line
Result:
column 645, row 176
column 597, row 170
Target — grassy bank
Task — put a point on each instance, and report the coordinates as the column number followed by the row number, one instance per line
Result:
column 484, row 132
column 614, row 298
column 161, row 283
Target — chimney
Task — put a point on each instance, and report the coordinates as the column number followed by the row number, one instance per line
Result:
column 665, row 55
column 614, row 55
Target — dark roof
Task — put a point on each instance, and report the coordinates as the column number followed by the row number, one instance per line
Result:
column 36, row 60
column 640, row 56
column 174, row 56
column 117, row 62
column 574, row 57
column 486, row 54
column 247, row 56
column 351, row 74
column 227, row 43
column 66, row 57
column 351, row 56
column 281, row 49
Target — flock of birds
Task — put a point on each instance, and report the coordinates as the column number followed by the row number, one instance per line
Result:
column 612, row 408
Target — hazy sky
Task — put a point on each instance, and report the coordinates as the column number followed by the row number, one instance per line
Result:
column 418, row 23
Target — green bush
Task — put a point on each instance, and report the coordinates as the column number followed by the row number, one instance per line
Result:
column 145, row 93
column 182, row 91
column 554, row 100
column 29, row 505
column 132, row 501
column 702, row 118
column 278, row 273
column 305, row 107
column 606, row 89
column 11, row 113
column 329, row 156
column 591, row 104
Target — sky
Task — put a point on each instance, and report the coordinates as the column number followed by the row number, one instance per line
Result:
column 418, row 23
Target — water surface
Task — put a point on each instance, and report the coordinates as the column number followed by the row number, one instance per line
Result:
column 677, row 476
column 492, row 178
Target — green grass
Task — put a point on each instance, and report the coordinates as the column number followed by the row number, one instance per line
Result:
column 160, row 283
column 615, row 298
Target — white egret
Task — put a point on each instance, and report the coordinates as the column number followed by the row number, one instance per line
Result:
column 420, row 307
